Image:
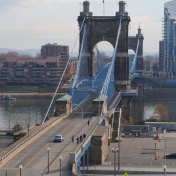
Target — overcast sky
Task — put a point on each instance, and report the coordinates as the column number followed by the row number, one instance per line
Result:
column 28, row 24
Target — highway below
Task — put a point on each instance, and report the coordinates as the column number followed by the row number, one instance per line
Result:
column 34, row 158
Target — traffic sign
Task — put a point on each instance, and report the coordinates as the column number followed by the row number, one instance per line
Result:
column 125, row 174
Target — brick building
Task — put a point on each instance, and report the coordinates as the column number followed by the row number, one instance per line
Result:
column 17, row 70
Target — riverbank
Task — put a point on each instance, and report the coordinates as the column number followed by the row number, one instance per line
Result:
column 32, row 95
column 160, row 94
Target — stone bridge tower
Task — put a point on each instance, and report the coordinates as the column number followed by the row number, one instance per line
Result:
column 104, row 28
column 133, row 40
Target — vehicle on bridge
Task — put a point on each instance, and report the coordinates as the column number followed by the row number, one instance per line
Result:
column 58, row 138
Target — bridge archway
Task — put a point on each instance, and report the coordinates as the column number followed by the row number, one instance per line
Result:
column 104, row 28
column 103, row 52
column 131, row 57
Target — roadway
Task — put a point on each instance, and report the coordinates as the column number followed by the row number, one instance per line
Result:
column 34, row 158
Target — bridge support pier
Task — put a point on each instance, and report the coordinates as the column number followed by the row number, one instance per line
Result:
column 126, row 110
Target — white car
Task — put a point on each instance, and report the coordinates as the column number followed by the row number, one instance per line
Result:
column 58, row 138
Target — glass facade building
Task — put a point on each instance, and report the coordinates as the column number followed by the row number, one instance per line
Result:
column 170, row 36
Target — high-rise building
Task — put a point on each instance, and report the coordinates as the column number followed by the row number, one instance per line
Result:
column 54, row 50
column 161, row 55
column 170, row 36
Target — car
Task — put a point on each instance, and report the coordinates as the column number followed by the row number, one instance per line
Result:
column 170, row 156
column 58, row 138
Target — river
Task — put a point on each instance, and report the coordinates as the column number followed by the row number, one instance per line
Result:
column 25, row 111
column 149, row 108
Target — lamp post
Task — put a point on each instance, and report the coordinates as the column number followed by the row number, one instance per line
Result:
column 29, row 119
column 164, row 167
column 60, row 165
column 81, row 116
column 48, row 149
column 20, row 167
column 119, row 140
column 9, row 116
column 114, row 151
column 30, row 115
column 99, row 101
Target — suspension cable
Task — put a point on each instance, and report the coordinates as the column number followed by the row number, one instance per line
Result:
column 62, row 74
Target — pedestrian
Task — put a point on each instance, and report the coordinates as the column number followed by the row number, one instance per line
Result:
column 77, row 140
column 72, row 138
column 81, row 138
column 88, row 122
column 84, row 136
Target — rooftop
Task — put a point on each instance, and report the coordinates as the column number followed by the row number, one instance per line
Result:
column 31, row 60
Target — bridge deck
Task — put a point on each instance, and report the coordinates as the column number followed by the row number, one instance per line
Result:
column 33, row 129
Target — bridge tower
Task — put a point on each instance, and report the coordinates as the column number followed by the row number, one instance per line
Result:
column 133, row 40
column 104, row 28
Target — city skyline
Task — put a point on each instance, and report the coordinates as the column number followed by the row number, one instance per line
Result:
column 29, row 24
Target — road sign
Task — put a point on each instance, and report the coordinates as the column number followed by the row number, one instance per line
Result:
column 125, row 174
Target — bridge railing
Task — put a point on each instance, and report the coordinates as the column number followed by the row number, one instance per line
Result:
column 77, row 148
column 26, row 140
column 115, row 100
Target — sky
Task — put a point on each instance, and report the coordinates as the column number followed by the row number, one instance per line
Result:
column 28, row 24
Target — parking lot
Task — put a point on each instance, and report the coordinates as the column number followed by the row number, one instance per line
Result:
column 145, row 152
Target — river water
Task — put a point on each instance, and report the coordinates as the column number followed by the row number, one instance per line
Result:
column 149, row 109
column 25, row 111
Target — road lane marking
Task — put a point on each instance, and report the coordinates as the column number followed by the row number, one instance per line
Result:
column 45, row 147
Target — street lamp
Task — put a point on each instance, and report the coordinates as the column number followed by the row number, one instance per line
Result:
column 48, row 149
column 29, row 119
column 164, row 167
column 20, row 167
column 98, row 100
column 114, row 151
column 81, row 115
column 9, row 116
column 30, row 115
column 119, row 140
column 60, row 165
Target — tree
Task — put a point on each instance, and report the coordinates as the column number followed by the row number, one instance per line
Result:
column 152, row 119
column 38, row 55
column 16, row 127
column 162, row 111
column 127, row 122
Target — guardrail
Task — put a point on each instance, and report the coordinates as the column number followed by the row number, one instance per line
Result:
column 8, row 155
column 115, row 100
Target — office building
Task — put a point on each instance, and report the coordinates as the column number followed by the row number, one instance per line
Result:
column 170, row 37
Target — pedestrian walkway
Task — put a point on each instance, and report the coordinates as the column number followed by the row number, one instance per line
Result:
column 109, row 170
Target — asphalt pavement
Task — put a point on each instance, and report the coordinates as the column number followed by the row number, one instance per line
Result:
column 34, row 158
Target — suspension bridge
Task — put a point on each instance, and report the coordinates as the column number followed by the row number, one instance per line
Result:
column 100, row 88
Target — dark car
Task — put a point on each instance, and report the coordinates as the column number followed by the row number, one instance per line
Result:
column 58, row 138
column 170, row 156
